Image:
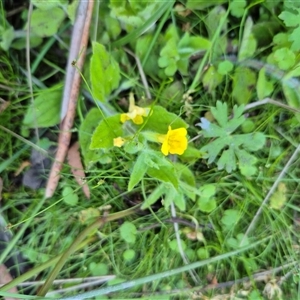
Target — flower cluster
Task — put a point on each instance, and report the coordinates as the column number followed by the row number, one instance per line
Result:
column 173, row 142
column 135, row 113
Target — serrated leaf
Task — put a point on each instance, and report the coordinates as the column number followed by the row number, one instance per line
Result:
column 139, row 169
column 214, row 148
column 105, row 132
column 45, row 23
column 45, row 110
column 285, row 57
column 104, row 72
column 227, row 160
column 289, row 19
column 264, row 87
column 220, row 112
column 255, row 141
column 246, row 162
column 211, row 129
column 128, row 232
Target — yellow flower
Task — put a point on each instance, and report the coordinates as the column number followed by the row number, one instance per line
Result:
column 119, row 142
column 135, row 113
column 174, row 142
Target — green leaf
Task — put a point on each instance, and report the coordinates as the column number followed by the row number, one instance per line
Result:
column 244, row 80
column 160, row 119
column 155, row 195
column 214, row 148
column 98, row 269
column 264, row 87
column 139, row 169
column 249, row 44
column 278, row 199
column 129, row 255
column 45, row 110
column 7, row 37
column 246, row 162
column 254, row 141
column 206, row 204
column 207, row 190
column 108, row 129
column 285, row 58
column 237, row 8
column 211, row 79
column 289, row 19
column 45, row 23
column 128, row 232
column 104, row 72
column 45, row 5
column 227, row 160
column 86, row 129
column 69, row 196
column 230, row 218
column 220, row 112
column 294, row 37
column 225, row 67
column 176, row 197
column 174, row 245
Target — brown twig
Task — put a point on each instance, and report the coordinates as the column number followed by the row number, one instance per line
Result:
column 78, row 48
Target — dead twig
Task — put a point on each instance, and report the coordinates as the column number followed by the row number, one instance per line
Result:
column 71, row 91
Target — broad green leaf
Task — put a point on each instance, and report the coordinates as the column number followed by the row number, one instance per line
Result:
column 45, row 5
column 244, row 80
column 294, row 37
column 86, row 129
column 202, row 4
column 7, row 36
column 98, row 269
column 138, row 171
column 237, row 8
column 211, row 79
column 129, row 255
column 104, row 72
column 207, row 190
column 285, row 58
column 264, row 87
column 225, row 67
column 160, row 119
column 289, row 19
column 128, row 232
column 108, row 129
column 45, row 23
column 206, row 204
column 278, row 199
column 165, row 174
column 155, row 195
column 69, row 196
column 174, row 245
column 248, row 45
column 176, row 197
column 45, row 110
column 230, row 218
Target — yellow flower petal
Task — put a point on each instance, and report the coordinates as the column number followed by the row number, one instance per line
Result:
column 119, row 142
column 175, row 141
column 135, row 113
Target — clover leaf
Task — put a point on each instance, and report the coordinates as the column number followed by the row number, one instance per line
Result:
column 234, row 149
